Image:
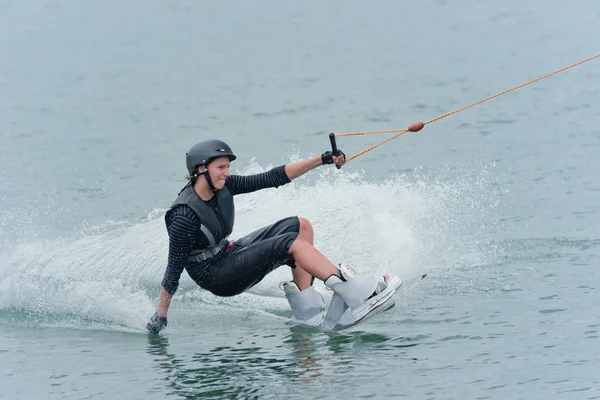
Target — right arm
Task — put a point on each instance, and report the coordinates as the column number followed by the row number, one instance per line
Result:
column 164, row 299
column 182, row 235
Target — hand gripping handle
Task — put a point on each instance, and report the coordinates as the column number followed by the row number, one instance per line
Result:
column 334, row 148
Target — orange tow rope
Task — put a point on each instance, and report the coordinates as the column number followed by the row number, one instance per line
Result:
column 417, row 126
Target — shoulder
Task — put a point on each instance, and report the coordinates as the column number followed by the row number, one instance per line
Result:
column 182, row 213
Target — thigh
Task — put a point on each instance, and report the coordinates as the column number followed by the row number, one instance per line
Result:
column 245, row 266
column 285, row 225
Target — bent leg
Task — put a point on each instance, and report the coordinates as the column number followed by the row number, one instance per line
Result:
column 244, row 267
column 303, row 278
column 304, row 230
column 312, row 260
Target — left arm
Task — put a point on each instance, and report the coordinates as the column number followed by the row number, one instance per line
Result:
column 240, row 184
column 278, row 176
column 301, row 167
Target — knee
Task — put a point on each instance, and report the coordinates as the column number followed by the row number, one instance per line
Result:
column 306, row 229
column 298, row 243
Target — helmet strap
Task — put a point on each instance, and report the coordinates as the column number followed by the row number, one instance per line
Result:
column 208, row 180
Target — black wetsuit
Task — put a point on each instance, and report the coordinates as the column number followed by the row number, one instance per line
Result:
column 243, row 263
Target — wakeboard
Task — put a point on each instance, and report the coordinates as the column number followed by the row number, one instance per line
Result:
column 348, row 321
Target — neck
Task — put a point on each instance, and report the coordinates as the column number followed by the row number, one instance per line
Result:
column 202, row 189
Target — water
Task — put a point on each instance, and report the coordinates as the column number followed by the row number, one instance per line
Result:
column 498, row 203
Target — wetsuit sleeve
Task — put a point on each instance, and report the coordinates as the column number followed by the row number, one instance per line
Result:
column 239, row 184
column 182, row 234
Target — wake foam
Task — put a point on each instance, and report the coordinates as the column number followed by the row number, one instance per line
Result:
column 401, row 225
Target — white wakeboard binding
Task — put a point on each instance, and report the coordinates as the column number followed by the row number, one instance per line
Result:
column 308, row 306
column 358, row 297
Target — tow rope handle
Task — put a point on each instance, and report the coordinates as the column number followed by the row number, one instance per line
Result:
column 334, row 148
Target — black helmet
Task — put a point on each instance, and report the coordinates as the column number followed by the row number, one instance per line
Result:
column 203, row 152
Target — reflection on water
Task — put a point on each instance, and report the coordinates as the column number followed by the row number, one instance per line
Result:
column 303, row 361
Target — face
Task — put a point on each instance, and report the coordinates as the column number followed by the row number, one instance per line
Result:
column 218, row 169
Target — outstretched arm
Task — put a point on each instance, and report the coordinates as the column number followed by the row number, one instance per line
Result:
column 281, row 175
column 299, row 168
column 240, row 184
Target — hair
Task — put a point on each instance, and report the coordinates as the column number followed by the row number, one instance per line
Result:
column 194, row 175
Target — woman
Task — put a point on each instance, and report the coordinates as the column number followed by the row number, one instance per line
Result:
column 201, row 219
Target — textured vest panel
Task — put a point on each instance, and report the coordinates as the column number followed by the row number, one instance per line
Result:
column 217, row 225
